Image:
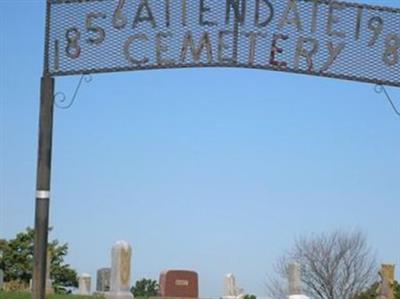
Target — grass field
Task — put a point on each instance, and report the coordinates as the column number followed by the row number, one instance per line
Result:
column 7, row 295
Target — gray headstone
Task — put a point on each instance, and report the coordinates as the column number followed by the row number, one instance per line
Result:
column 294, row 279
column 1, row 279
column 49, row 283
column 103, row 280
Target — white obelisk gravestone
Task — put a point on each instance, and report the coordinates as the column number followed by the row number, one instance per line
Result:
column 120, row 271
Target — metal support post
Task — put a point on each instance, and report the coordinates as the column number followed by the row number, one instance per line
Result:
column 43, row 187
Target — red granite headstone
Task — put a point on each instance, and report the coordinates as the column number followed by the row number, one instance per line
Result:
column 179, row 284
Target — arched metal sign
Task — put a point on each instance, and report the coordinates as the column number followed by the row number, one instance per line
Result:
column 316, row 37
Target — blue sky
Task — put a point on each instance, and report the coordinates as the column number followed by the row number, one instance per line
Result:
column 215, row 170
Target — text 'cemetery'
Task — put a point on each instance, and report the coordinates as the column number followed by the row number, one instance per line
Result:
column 326, row 38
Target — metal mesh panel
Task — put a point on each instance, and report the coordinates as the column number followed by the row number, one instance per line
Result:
column 316, row 37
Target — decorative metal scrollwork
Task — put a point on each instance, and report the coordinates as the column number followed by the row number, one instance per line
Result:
column 382, row 89
column 60, row 98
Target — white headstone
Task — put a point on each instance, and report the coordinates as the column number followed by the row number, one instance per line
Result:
column 230, row 285
column 85, row 281
column 230, row 288
column 298, row 297
column 120, row 271
column 49, row 282
column 49, row 286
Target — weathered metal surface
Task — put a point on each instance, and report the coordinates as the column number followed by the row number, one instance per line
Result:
column 43, row 187
column 317, row 37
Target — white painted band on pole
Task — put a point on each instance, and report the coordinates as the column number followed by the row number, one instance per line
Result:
column 42, row 194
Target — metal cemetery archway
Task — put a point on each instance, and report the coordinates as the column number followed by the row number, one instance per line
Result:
column 316, row 37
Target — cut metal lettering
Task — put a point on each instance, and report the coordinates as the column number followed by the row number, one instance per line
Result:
column 317, row 37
